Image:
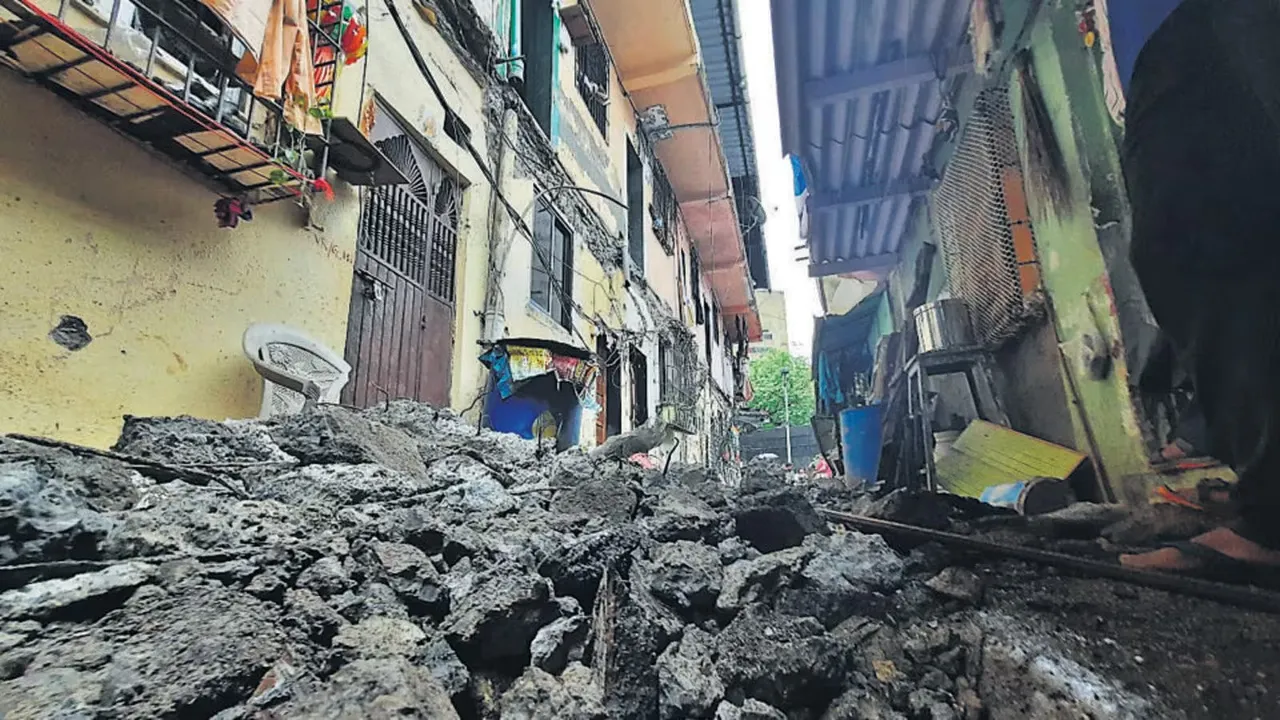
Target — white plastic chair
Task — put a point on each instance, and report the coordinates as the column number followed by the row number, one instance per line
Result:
column 297, row 371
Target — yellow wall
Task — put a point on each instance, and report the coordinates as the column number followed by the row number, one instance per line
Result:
column 94, row 225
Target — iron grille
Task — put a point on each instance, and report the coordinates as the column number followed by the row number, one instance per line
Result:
column 665, row 209
column 593, row 82
column 986, row 238
column 678, row 382
column 413, row 228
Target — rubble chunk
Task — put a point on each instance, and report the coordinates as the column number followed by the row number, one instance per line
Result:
column 750, row 709
column 538, row 694
column 957, row 583
column 375, row 689
column 630, row 629
column 50, row 597
column 44, row 518
column 785, row 661
column 559, row 643
column 688, row 686
column 381, row 636
column 494, row 625
column 605, row 498
column 335, row 435
column 752, row 581
column 686, row 575
column 776, row 519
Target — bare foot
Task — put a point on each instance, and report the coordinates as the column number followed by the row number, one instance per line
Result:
column 1224, row 540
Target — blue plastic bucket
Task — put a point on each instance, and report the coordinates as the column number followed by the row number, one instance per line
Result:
column 861, row 435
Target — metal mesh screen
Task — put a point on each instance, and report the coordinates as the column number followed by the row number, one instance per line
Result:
column 979, row 211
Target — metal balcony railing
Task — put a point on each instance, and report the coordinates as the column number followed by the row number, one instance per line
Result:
column 164, row 72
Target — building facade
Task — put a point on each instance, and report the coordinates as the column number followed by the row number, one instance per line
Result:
column 773, row 323
column 518, row 209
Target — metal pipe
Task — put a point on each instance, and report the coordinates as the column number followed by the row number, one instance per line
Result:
column 1242, row 596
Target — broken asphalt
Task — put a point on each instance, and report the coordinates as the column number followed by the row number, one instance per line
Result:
column 401, row 563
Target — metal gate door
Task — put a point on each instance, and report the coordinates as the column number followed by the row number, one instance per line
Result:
column 400, row 327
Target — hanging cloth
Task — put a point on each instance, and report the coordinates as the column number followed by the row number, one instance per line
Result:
column 283, row 70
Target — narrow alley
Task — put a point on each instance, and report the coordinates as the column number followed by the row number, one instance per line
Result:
column 662, row 360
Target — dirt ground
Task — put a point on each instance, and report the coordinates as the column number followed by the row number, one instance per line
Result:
column 1205, row 659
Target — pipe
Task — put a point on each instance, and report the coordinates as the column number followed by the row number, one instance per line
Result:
column 1241, row 596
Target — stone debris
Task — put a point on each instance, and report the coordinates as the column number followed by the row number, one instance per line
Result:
column 398, row 562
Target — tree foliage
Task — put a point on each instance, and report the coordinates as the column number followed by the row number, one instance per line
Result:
column 766, row 376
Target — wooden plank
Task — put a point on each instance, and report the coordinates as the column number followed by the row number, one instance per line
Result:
column 413, row 378
column 367, row 319
column 351, row 348
column 395, row 380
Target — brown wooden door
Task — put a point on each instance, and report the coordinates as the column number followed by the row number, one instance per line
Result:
column 400, row 326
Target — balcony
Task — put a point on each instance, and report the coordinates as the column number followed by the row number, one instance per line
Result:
column 164, row 73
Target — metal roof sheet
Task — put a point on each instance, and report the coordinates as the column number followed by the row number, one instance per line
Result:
column 716, row 23
column 861, row 88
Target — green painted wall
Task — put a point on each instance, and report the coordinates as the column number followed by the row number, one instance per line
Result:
column 1074, row 267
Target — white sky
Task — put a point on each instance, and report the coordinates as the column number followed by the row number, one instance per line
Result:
column 782, row 229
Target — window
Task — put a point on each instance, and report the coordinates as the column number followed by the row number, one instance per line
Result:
column 635, row 207
column 538, row 46
column 639, row 388
column 695, row 278
column 666, row 211
column 552, row 284
column 593, row 82
column 766, row 335
column 666, row 371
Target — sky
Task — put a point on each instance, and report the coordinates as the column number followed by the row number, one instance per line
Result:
column 782, row 226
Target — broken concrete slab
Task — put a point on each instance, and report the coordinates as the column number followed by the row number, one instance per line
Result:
column 538, row 694
column 374, row 689
column 776, row 519
column 184, row 440
column 957, row 583
column 748, row 582
column 495, row 624
column 50, row 598
column 784, row 661
column 688, row 686
column 559, row 643
column 334, row 435
column 676, row 513
column 686, row 575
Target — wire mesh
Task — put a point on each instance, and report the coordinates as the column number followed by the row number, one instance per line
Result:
column 972, row 216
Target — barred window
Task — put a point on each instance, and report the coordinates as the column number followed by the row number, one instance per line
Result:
column 593, row 82
column 665, row 210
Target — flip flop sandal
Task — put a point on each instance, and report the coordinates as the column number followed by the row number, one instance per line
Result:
column 1217, row 566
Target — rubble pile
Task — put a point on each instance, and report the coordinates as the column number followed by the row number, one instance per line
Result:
column 400, row 563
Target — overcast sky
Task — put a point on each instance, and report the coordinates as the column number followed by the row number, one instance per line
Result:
column 781, row 230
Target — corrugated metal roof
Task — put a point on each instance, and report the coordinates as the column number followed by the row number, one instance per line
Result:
column 878, row 123
column 716, row 22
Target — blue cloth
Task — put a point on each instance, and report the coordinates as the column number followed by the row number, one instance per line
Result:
column 1132, row 23
column 499, row 364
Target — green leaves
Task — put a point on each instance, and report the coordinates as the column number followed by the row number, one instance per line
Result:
column 767, row 382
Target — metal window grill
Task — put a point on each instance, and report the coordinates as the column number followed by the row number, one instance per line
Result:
column 984, row 232
column 665, row 209
column 593, row 82
column 413, row 227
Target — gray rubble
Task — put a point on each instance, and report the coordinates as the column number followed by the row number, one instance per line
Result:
column 400, row 563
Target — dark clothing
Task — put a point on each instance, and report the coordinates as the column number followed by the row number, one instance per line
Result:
column 1202, row 162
